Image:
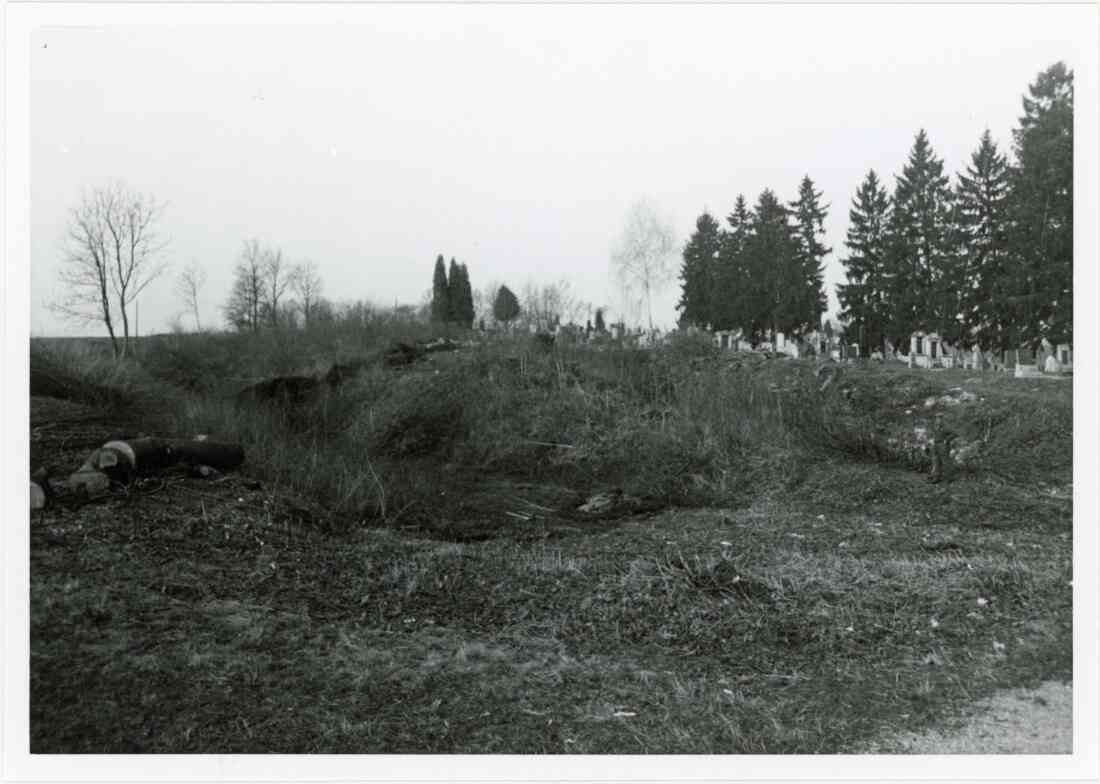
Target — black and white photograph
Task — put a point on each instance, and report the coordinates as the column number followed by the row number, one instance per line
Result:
column 577, row 381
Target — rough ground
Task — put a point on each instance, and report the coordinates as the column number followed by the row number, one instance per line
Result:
column 181, row 615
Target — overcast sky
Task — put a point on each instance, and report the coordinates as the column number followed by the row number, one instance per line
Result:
column 510, row 137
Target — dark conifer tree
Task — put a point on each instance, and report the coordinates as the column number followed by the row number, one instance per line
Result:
column 441, row 308
column 733, row 291
column 505, row 306
column 863, row 298
column 981, row 219
column 809, row 216
column 697, row 273
column 771, row 264
column 454, row 293
column 465, row 299
column 1039, row 286
column 921, row 247
column 601, row 327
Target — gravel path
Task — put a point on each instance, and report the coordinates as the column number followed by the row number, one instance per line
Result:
column 1016, row 721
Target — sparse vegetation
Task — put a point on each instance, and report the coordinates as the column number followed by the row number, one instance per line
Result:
column 403, row 565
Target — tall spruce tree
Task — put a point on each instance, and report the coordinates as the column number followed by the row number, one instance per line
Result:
column 982, row 222
column 921, row 247
column 863, row 298
column 697, row 273
column 809, row 216
column 732, row 285
column 1039, row 286
column 441, row 307
column 465, row 299
column 454, row 293
column 773, row 269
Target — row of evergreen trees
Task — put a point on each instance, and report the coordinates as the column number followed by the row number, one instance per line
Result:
column 987, row 262
column 764, row 273
column 452, row 296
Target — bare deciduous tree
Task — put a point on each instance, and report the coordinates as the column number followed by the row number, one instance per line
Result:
column 323, row 311
column 306, row 282
column 548, row 305
column 642, row 258
column 113, row 251
column 483, row 301
column 261, row 280
column 277, row 279
column 246, row 299
column 188, row 285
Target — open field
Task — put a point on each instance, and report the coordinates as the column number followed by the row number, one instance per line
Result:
column 403, row 563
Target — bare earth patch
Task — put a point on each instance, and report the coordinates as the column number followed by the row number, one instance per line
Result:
column 1014, row 721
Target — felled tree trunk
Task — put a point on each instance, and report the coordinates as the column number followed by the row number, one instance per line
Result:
column 120, row 461
column 200, row 451
column 38, row 495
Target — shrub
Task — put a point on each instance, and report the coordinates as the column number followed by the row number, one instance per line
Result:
column 690, row 344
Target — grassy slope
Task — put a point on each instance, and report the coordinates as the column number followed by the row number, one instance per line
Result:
column 805, row 591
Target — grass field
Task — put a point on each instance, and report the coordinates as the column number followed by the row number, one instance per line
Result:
column 402, row 564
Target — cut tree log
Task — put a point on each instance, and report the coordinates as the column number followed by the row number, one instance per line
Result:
column 88, row 482
column 216, row 454
column 38, row 496
column 120, row 460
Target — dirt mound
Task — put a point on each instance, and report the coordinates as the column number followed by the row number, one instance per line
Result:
column 407, row 351
column 50, row 382
column 296, row 390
